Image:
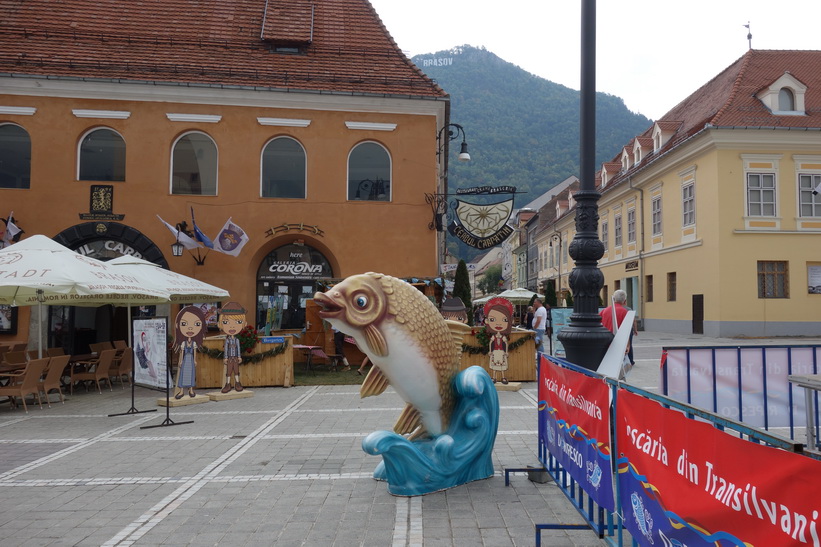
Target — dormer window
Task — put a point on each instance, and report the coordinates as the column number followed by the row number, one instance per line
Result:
column 288, row 27
column 785, row 96
column 662, row 132
column 625, row 160
column 786, row 100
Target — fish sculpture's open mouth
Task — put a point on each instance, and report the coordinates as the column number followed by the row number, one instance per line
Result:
column 330, row 309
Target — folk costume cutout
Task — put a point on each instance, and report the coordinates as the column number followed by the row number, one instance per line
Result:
column 231, row 321
column 498, row 325
column 189, row 331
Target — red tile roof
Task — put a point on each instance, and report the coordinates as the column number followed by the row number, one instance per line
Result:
column 729, row 100
column 210, row 42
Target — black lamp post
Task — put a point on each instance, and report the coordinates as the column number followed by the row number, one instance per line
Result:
column 585, row 339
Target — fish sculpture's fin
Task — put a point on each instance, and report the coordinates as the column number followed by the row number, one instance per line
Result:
column 457, row 332
column 376, row 342
column 409, row 421
column 375, row 383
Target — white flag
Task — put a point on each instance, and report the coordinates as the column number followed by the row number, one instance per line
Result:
column 231, row 239
column 187, row 241
column 11, row 231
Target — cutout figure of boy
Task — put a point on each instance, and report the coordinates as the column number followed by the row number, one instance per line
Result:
column 231, row 321
column 454, row 309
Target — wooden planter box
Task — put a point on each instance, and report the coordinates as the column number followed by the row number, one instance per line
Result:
column 521, row 361
column 271, row 371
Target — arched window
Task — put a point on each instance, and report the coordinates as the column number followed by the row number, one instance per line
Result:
column 283, row 169
column 194, row 165
column 15, row 157
column 786, row 100
column 102, row 156
column 369, row 173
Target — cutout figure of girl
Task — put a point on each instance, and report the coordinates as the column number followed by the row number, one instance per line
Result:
column 189, row 330
column 499, row 323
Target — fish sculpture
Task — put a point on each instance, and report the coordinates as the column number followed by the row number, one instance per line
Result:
column 411, row 346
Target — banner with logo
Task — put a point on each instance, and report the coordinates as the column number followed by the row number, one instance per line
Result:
column 684, row 482
column 574, row 425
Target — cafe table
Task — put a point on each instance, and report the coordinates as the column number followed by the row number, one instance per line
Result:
column 310, row 352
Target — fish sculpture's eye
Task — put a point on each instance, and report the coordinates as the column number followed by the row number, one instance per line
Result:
column 361, row 301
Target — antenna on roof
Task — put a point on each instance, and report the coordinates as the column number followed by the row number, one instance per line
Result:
column 749, row 35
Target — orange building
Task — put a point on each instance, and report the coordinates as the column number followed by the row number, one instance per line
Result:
column 301, row 121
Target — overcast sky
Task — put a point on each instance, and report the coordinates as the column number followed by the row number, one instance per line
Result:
column 651, row 53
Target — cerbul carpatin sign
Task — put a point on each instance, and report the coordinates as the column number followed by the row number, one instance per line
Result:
column 482, row 225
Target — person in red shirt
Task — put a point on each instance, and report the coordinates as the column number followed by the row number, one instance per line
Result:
column 619, row 298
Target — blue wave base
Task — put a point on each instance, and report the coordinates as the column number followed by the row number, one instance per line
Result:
column 462, row 454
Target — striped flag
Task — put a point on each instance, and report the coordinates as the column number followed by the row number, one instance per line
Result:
column 201, row 237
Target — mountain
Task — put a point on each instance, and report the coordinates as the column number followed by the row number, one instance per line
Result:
column 522, row 130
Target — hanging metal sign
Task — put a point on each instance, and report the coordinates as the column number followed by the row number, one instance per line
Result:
column 482, row 225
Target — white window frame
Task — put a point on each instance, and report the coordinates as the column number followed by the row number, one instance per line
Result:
column 655, row 206
column 688, row 204
column 262, row 168
column 389, row 194
column 617, row 228
column 605, row 234
column 216, row 165
column 631, row 226
column 754, row 195
column 805, row 195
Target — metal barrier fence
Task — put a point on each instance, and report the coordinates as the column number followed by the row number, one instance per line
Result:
column 606, row 524
column 747, row 383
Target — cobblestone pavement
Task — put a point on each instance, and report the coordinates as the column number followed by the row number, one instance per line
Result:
column 284, row 467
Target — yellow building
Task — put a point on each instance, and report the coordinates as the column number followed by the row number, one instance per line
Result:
column 302, row 122
column 709, row 218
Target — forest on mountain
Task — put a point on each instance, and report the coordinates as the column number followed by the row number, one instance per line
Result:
column 522, row 130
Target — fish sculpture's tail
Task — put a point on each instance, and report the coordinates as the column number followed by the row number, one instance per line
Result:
column 461, row 455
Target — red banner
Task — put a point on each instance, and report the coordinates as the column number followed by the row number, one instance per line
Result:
column 574, row 425
column 684, row 482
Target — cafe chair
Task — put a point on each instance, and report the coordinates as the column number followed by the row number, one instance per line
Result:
column 119, row 344
column 122, row 367
column 25, row 383
column 54, row 352
column 53, row 379
column 11, row 358
column 98, row 347
column 97, row 373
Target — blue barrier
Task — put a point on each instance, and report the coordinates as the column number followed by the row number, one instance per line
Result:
column 606, row 524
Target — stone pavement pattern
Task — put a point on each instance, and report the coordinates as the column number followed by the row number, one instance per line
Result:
column 285, row 467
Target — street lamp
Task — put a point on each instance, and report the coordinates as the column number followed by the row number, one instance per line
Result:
column 584, row 338
column 454, row 130
column 557, row 236
column 177, row 247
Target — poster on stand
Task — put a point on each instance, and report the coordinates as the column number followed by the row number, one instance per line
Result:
column 574, row 423
column 560, row 318
column 686, row 482
column 150, row 343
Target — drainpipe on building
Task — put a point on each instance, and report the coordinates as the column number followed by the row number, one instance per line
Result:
column 641, row 251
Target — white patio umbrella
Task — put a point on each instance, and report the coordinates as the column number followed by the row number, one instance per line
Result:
column 483, row 300
column 178, row 287
column 519, row 296
column 38, row 270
